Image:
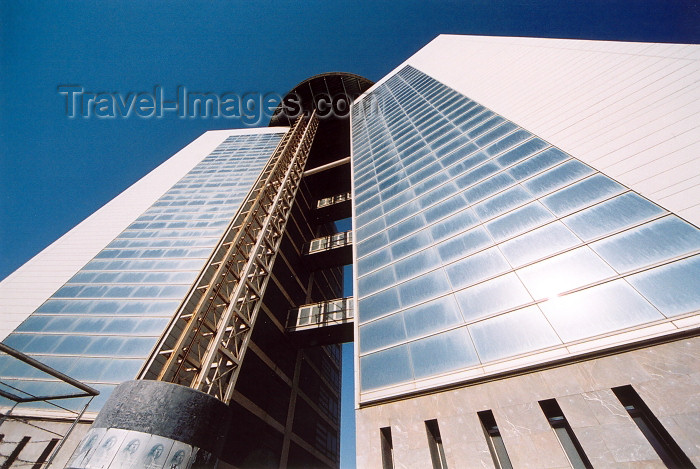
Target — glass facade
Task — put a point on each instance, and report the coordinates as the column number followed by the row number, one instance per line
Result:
column 103, row 323
column 478, row 242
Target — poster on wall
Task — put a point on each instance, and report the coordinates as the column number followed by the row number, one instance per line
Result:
column 86, row 449
column 115, row 448
column 158, row 448
column 179, row 456
column 107, row 449
column 131, row 451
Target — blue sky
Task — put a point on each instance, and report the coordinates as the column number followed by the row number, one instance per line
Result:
column 55, row 171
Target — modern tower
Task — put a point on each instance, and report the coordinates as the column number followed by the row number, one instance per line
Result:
column 194, row 277
column 526, row 269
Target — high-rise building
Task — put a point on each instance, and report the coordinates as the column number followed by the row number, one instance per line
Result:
column 526, row 266
column 527, row 270
column 193, row 276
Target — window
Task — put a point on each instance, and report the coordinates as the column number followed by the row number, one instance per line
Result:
column 437, row 452
column 15, row 453
column 565, row 435
column 319, row 244
column 45, row 454
column 387, row 448
column 304, row 316
column 494, row 440
column 664, row 445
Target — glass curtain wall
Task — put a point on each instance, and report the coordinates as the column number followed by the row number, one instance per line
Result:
column 102, row 324
column 477, row 241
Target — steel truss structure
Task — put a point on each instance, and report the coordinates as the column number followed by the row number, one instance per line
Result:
column 211, row 338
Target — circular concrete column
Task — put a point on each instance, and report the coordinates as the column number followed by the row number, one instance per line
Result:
column 153, row 424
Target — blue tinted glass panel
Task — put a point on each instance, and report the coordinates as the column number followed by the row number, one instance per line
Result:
column 673, row 288
column 90, row 368
column 564, row 272
column 454, row 224
column 120, row 370
column 385, row 368
column 137, row 346
column 423, row 288
column 433, row 316
column 649, row 243
column 520, row 331
column 376, row 281
column 502, row 202
column 411, row 244
column 597, row 310
column 71, row 345
column 489, row 187
column 373, row 261
column 499, row 294
column 105, row 346
column 538, row 244
column 445, row 208
column 612, row 215
column 582, row 194
column 63, row 364
column 464, row 166
column 416, row 264
column 476, row 267
column 557, row 177
column 368, row 245
column 441, row 353
column 522, row 151
column 34, row 324
column 406, row 227
column 508, row 142
column 34, row 343
column 464, row 244
column 378, row 304
column 518, row 221
column 381, row 333
column 538, row 163
column 476, row 175
column 496, row 134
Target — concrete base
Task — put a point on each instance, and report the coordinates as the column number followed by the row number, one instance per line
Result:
column 666, row 376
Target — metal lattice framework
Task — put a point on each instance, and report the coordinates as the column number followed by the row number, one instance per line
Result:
column 214, row 336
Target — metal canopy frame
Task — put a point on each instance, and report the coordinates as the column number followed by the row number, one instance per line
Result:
column 87, row 392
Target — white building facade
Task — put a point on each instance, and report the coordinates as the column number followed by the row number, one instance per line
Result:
column 527, row 267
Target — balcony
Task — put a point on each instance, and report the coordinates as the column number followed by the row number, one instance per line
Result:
column 332, row 208
column 328, row 322
column 330, row 251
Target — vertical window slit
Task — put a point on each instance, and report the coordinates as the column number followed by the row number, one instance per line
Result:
column 45, row 454
column 15, row 453
column 662, row 442
column 387, row 448
column 494, row 440
column 437, row 451
column 565, row 435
